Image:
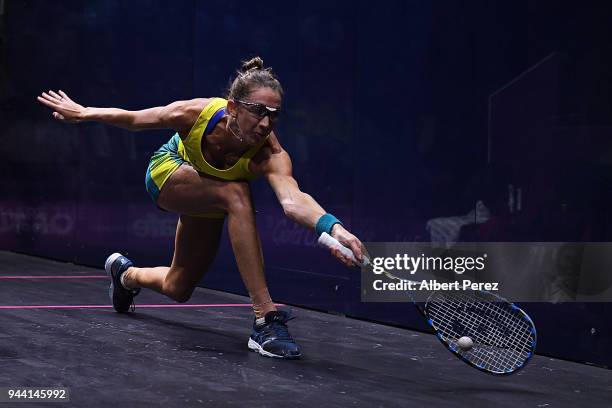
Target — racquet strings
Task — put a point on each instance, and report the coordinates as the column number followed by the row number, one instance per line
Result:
column 503, row 337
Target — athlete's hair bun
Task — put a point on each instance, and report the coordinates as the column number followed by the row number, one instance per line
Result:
column 250, row 76
column 253, row 63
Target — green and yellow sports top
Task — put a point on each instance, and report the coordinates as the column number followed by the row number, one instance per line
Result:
column 190, row 149
column 173, row 154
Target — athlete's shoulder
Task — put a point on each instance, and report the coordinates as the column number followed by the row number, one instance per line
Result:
column 197, row 105
column 186, row 112
column 194, row 107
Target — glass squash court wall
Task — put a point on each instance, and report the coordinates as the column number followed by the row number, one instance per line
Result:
column 397, row 115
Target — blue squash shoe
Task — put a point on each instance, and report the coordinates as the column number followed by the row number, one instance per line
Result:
column 121, row 298
column 272, row 339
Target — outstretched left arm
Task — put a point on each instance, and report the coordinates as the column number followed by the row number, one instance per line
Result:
column 300, row 206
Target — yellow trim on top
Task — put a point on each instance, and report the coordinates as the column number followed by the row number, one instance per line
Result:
column 191, row 148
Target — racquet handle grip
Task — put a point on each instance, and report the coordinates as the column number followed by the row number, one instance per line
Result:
column 328, row 241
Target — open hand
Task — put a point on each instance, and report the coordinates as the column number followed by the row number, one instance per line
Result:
column 64, row 108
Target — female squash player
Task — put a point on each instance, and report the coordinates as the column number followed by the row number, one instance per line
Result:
column 202, row 174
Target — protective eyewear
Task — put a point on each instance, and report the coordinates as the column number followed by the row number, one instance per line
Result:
column 260, row 110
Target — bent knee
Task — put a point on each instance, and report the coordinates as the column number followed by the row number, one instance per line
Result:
column 178, row 293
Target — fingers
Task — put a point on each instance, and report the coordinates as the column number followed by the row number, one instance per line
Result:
column 335, row 252
column 48, row 97
column 63, row 94
column 365, row 253
column 52, row 96
column 351, row 242
column 356, row 247
column 55, row 95
column 342, row 258
column 47, row 100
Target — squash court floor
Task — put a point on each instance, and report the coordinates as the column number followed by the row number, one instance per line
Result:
column 59, row 330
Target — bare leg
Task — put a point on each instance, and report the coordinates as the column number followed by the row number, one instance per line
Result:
column 197, row 239
column 246, row 245
column 196, row 244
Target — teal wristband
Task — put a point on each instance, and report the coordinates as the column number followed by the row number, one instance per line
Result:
column 326, row 223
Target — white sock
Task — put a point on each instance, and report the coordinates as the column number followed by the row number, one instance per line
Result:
column 122, row 279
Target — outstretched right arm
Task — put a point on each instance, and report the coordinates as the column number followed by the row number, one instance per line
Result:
column 179, row 115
